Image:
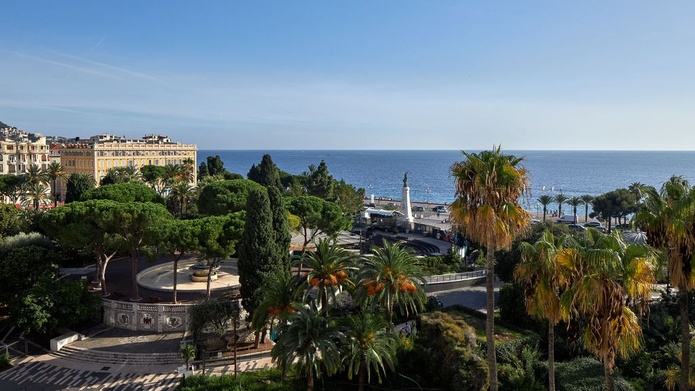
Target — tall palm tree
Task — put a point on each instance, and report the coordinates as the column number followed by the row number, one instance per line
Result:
column 278, row 296
column 36, row 194
column 310, row 339
column 368, row 346
column 182, row 194
column 543, row 279
column 586, row 200
column 489, row 186
column 393, row 278
column 545, row 200
column 328, row 268
column 53, row 172
column 668, row 218
column 608, row 276
column 574, row 202
column 188, row 169
column 560, row 199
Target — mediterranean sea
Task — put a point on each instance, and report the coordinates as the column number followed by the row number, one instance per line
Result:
column 573, row 173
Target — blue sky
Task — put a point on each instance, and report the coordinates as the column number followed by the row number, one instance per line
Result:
column 355, row 75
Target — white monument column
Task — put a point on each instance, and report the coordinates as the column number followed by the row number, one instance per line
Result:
column 406, row 207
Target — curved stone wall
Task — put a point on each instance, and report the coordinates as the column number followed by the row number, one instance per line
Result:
column 145, row 317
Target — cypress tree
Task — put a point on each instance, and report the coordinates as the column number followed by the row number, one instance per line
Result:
column 281, row 227
column 267, row 173
column 257, row 247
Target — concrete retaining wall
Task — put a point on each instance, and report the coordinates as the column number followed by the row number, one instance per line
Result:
column 58, row 343
column 445, row 282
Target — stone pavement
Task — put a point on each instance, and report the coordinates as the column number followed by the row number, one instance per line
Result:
column 97, row 363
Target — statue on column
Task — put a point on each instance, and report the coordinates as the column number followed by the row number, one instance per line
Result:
column 405, row 179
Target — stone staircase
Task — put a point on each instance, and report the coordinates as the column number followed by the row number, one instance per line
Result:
column 113, row 358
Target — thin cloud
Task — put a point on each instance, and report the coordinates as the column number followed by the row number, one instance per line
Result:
column 110, row 67
column 64, row 65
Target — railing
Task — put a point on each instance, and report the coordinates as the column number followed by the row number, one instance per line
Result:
column 455, row 277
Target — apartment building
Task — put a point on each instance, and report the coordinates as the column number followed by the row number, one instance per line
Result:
column 100, row 153
column 22, row 150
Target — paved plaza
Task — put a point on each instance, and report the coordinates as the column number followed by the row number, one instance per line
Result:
column 97, row 363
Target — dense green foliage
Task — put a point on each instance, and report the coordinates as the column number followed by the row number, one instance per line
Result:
column 258, row 252
column 77, row 185
column 263, row 380
column 266, row 173
column 124, row 192
column 615, row 204
column 452, row 359
column 223, row 197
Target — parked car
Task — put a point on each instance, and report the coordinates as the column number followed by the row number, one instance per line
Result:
column 592, row 224
column 440, row 209
column 576, row 228
column 567, row 219
column 418, row 208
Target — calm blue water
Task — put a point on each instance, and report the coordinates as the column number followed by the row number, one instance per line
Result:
column 381, row 172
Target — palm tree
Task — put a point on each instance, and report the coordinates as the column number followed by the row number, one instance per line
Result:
column 278, row 296
column 310, row 339
column 34, row 175
column 187, row 354
column 36, row 193
column 188, row 169
column 328, row 270
column 489, row 186
column 543, row 279
column 560, row 199
column 393, row 278
column 545, row 200
column 368, row 346
column 586, row 200
column 574, row 202
column 53, row 172
column 668, row 218
column 607, row 275
column 182, row 193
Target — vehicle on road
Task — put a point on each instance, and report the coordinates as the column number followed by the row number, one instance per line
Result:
column 440, row 209
column 592, row 224
column 567, row 219
column 576, row 228
column 418, row 208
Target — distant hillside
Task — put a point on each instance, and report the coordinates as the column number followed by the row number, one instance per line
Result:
column 4, row 125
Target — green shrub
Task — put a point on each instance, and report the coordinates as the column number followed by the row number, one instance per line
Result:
column 585, row 374
column 262, row 380
column 513, row 307
column 5, row 362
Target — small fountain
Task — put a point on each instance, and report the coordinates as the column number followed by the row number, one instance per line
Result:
column 201, row 270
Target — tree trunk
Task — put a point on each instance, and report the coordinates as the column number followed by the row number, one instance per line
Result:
column 551, row 356
column 310, row 380
column 209, row 281
column 490, row 317
column 685, row 338
column 362, row 377
column 134, row 274
column 176, row 269
column 609, row 376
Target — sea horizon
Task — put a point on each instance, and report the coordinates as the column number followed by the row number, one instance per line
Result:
column 380, row 171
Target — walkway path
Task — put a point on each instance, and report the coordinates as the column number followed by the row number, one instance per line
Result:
column 48, row 373
column 111, row 360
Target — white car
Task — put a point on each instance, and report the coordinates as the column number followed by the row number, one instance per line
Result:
column 440, row 209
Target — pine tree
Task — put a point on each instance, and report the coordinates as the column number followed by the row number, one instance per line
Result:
column 320, row 182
